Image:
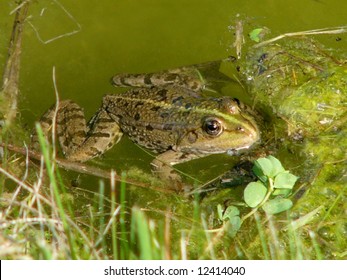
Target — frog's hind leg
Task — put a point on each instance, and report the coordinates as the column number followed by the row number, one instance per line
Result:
column 100, row 134
column 70, row 126
column 103, row 132
column 179, row 77
column 80, row 141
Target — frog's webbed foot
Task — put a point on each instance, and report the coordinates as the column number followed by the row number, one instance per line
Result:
column 79, row 141
column 166, row 173
column 162, row 168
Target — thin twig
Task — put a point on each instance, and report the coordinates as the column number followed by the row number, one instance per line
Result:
column 70, row 16
column 19, row 6
column 86, row 169
column 48, row 203
column 328, row 30
column 54, row 119
column 17, row 221
column 239, row 39
column 110, row 222
column 9, row 88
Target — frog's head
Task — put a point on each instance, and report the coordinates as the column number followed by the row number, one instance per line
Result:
column 227, row 129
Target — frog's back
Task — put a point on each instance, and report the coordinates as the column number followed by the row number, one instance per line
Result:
column 164, row 118
column 154, row 118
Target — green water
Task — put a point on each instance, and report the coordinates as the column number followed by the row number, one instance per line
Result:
column 102, row 38
column 99, row 39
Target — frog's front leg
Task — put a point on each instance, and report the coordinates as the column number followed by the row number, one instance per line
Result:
column 102, row 133
column 80, row 141
column 162, row 167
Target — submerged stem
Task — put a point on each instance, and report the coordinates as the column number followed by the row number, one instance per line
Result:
column 9, row 88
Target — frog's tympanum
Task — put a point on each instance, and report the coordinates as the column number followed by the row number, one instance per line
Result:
column 164, row 112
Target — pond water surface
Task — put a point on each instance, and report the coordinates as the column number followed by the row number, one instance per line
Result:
column 89, row 41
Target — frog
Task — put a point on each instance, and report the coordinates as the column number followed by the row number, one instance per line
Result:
column 164, row 112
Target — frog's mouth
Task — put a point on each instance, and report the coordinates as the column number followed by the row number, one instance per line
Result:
column 214, row 150
column 235, row 152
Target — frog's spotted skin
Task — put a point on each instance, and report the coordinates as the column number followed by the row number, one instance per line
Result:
column 166, row 115
column 185, row 77
column 78, row 140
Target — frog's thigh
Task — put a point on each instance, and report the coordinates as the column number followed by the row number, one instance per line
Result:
column 103, row 133
column 70, row 126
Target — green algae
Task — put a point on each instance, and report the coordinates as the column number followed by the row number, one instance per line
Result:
column 302, row 86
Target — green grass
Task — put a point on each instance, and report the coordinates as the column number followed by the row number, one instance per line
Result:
column 43, row 218
column 34, row 224
column 41, row 227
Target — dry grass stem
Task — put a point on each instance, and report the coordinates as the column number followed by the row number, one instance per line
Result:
column 328, row 30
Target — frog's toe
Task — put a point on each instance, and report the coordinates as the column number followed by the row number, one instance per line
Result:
column 167, row 174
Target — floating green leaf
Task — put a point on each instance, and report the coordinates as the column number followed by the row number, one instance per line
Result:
column 234, row 225
column 255, row 34
column 276, row 166
column 254, row 193
column 282, row 192
column 230, row 212
column 262, row 167
column 285, row 180
column 277, row 205
column 267, row 167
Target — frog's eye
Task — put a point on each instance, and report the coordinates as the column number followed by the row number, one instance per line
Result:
column 234, row 107
column 212, row 126
column 237, row 101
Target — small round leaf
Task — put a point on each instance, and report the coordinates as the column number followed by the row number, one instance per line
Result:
column 254, row 193
column 255, row 34
column 259, row 173
column 276, row 166
column 230, row 212
column 234, row 225
column 258, row 169
column 285, row 180
column 277, row 205
column 282, row 192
